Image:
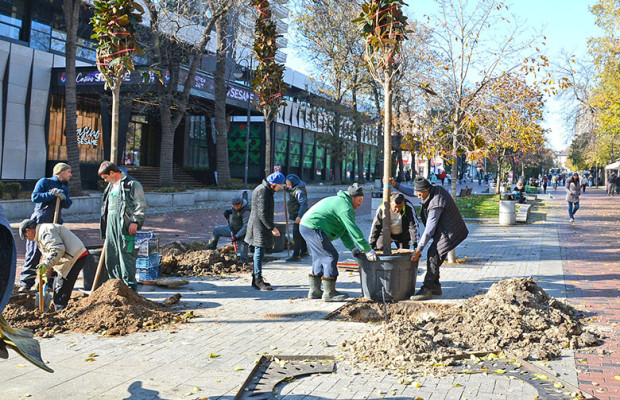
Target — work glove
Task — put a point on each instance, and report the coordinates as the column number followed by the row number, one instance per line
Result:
column 356, row 252
column 58, row 193
column 415, row 245
column 227, row 214
column 371, row 256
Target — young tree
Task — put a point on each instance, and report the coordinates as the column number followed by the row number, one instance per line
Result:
column 180, row 33
column 329, row 39
column 71, row 11
column 383, row 27
column 268, row 81
column 115, row 24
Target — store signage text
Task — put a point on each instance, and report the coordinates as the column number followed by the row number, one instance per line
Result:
column 87, row 135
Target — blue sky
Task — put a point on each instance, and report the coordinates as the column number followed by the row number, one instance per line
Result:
column 567, row 24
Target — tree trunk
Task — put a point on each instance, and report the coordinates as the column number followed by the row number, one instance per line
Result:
column 167, row 142
column 219, row 77
column 71, row 9
column 387, row 161
column 455, row 175
column 116, row 99
column 378, row 165
column 499, row 174
column 268, row 166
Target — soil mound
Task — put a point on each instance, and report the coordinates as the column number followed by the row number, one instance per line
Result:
column 192, row 259
column 515, row 315
column 113, row 309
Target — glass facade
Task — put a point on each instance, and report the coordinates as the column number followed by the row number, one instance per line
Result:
column 280, row 145
column 197, row 146
column 295, row 147
column 11, row 16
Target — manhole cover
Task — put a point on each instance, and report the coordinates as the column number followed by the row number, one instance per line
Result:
column 271, row 370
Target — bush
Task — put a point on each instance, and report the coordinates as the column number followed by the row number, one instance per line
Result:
column 101, row 184
column 14, row 189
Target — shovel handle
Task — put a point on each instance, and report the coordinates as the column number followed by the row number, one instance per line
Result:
column 41, row 294
column 57, row 210
column 99, row 268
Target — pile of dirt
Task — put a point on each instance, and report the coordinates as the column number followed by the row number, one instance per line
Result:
column 113, row 309
column 516, row 315
column 192, row 259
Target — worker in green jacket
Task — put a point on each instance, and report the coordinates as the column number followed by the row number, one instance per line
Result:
column 122, row 215
column 328, row 220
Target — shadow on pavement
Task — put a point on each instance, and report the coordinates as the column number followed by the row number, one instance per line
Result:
column 137, row 392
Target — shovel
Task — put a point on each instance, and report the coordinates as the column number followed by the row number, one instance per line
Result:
column 42, row 301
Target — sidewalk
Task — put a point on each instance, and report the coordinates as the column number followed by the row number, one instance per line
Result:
column 238, row 324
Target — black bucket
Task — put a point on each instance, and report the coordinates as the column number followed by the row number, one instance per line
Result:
column 90, row 270
column 393, row 276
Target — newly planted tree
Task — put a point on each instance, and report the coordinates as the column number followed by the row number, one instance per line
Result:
column 115, row 23
column 268, row 80
column 383, row 26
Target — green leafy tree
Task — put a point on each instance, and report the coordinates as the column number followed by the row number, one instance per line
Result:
column 268, row 80
column 115, row 23
column 383, row 26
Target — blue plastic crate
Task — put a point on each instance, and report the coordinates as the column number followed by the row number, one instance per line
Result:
column 144, row 235
column 147, row 268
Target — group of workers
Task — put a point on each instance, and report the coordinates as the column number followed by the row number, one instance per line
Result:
column 333, row 218
column 57, row 255
column 55, row 252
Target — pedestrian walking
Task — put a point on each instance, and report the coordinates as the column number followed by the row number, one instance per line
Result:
column 297, row 206
column 443, row 223
column 235, row 228
column 544, row 184
column 330, row 219
column 404, row 224
column 122, row 215
column 573, row 191
column 554, row 181
column 261, row 228
column 584, row 183
column 44, row 196
column 612, row 183
column 442, row 176
column 61, row 251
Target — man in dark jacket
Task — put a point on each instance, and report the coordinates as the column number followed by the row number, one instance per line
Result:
column 236, row 228
column 44, row 196
column 443, row 223
column 296, row 206
column 404, row 227
column 261, row 228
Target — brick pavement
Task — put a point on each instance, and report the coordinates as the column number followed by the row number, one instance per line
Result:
column 233, row 324
column 591, row 264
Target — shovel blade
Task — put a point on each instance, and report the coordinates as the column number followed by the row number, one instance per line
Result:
column 47, row 300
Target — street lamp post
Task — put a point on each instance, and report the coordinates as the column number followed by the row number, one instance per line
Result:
column 245, row 72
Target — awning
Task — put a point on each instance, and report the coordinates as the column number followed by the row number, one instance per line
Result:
column 615, row 165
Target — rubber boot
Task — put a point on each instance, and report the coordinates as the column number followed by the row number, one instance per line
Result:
column 211, row 244
column 329, row 291
column 315, row 291
column 423, row 294
column 260, row 284
column 436, row 289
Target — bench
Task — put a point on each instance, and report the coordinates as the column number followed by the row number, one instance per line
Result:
column 523, row 213
column 465, row 192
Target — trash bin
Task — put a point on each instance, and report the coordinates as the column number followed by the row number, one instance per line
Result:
column 507, row 210
column 89, row 271
column 279, row 242
column 377, row 199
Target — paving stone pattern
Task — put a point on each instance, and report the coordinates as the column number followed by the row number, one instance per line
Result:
column 212, row 356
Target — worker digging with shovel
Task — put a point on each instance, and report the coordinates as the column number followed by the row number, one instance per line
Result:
column 61, row 251
column 236, row 228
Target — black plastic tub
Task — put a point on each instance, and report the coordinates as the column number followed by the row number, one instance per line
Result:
column 391, row 276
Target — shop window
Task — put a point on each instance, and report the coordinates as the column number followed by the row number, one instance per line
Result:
column 280, row 145
column 295, row 147
column 308, row 149
column 137, row 127
column 198, row 148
